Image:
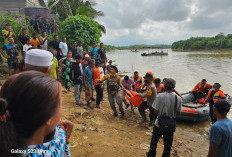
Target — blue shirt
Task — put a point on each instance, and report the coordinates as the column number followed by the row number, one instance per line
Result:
column 11, row 51
column 221, row 134
column 88, row 74
column 95, row 52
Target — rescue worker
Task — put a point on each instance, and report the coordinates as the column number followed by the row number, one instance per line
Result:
column 144, row 84
column 159, row 86
column 200, row 89
column 150, row 95
column 138, row 81
column 128, row 84
column 214, row 95
column 113, row 84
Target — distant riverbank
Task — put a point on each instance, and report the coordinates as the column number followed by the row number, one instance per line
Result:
column 204, row 50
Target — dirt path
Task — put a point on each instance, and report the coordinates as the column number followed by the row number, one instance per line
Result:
column 98, row 134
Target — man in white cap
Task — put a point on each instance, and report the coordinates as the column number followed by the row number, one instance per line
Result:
column 42, row 61
column 39, row 60
column 85, row 61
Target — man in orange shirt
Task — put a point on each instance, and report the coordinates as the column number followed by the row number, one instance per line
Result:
column 98, row 86
column 199, row 91
column 35, row 41
column 214, row 95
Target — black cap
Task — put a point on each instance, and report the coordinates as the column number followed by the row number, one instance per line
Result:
column 158, row 80
column 203, row 80
column 148, row 76
column 77, row 57
column 115, row 68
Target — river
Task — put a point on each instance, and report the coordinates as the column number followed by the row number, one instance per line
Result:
column 187, row 68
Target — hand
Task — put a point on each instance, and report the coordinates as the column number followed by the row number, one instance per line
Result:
column 181, row 97
column 85, row 85
column 123, row 88
column 17, row 57
column 67, row 126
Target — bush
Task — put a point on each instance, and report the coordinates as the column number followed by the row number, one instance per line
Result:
column 80, row 28
column 17, row 22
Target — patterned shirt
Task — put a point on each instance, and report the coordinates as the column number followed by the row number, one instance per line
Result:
column 55, row 148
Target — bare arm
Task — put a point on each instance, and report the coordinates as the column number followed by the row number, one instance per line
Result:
column 57, row 73
column 7, row 35
column 177, row 93
column 213, row 150
column 3, row 54
column 60, row 62
column 42, row 41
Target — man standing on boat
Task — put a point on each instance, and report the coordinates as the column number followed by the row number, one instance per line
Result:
column 214, row 95
column 199, row 90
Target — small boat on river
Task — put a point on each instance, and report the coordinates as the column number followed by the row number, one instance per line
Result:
column 155, row 54
column 192, row 111
column 136, row 50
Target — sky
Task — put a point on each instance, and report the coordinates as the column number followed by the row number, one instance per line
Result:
column 131, row 22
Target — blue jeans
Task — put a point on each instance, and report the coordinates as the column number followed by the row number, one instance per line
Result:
column 48, row 31
column 118, row 100
column 77, row 93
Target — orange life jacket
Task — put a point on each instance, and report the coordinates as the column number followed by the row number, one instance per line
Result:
column 199, row 88
column 217, row 96
column 160, row 89
column 138, row 82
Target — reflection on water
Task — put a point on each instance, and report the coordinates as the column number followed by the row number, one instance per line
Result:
column 187, row 68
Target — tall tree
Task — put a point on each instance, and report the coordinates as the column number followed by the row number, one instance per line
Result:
column 66, row 8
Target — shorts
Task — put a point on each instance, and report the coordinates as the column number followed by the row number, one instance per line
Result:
column 13, row 64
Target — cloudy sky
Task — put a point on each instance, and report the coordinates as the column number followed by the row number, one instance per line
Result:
column 163, row 21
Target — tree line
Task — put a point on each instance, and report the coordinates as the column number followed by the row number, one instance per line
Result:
column 220, row 41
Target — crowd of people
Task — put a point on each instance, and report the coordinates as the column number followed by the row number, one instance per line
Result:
column 39, row 24
column 30, row 103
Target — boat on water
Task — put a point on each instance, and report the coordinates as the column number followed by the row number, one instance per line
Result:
column 192, row 111
column 155, row 54
column 135, row 50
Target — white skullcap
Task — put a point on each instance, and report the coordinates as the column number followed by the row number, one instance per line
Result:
column 86, row 55
column 40, row 58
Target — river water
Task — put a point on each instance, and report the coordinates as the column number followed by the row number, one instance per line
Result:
column 187, row 68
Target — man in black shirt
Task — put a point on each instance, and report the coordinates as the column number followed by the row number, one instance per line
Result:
column 40, row 25
column 55, row 45
column 74, row 49
column 102, row 55
column 22, row 39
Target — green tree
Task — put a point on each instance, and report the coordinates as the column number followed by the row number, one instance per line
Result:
column 80, row 28
column 65, row 8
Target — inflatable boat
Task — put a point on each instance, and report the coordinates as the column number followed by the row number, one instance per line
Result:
column 193, row 111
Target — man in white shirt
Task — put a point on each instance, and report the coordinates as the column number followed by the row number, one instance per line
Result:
column 101, row 68
column 63, row 47
column 26, row 47
column 169, row 105
column 44, row 40
column 80, row 48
